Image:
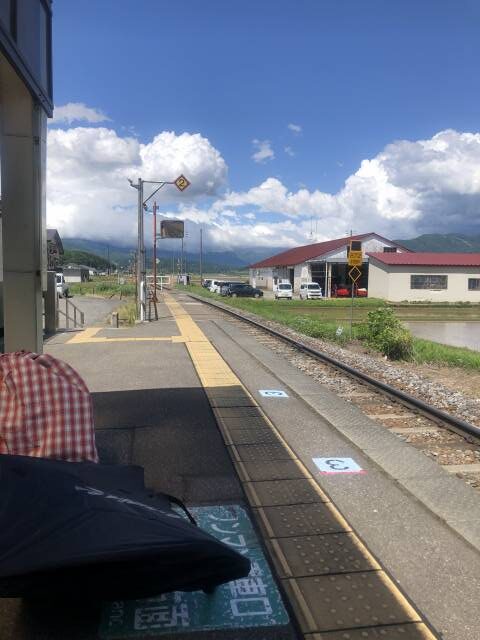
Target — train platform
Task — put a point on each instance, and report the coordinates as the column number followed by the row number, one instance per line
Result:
column 352, row 533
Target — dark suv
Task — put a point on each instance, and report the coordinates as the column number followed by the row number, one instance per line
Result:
column 244, row 290
column 225, row 287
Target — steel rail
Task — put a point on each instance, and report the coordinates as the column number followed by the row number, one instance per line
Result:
column 454, row 423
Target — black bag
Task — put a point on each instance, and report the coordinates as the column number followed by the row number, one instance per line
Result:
column 89, row 530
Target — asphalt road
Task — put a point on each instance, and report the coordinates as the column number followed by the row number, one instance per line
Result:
column 96, row 309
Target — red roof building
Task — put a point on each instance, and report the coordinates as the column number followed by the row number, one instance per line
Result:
column 429, row 259
column 429, row 277
column 323, row 262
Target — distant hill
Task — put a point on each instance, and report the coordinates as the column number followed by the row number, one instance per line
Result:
column 443, row 243
column 213, row 261
column 74, row 256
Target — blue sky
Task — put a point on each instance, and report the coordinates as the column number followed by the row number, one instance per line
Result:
column 355, row 77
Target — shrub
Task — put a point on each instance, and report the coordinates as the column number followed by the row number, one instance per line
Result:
column 385, row 332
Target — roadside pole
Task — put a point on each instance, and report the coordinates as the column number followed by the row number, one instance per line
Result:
column 155, row 251
column 201, row 256
column 181, row 183
column 140, row 254
column 355, row 260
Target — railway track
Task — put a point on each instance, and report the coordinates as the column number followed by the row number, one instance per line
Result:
column 453, row 442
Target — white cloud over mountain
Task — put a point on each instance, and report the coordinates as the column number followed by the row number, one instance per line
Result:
column 411, row 187
column 88, row 194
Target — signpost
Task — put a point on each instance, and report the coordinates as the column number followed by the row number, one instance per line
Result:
column 181, row 183
column 355, row 260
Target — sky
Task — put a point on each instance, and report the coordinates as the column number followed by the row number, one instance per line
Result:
column 294, row 120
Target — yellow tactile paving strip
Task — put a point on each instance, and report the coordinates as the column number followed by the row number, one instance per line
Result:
column 89, row 335
column 266, row 468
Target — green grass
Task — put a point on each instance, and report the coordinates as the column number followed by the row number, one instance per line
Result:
column 321, row 318
column 107, row 289
column 425, row 351
column 127, row 313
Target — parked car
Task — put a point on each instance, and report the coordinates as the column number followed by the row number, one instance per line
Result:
column 62, row 287
column 310, row 291
column 216, row 285
column 206, row 284
column 342, row 292
column 284, row 290
column 244, row 290
column 224, row 289
column 345, row 292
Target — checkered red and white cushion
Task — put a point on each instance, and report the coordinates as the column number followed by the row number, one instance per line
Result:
column 45, row 409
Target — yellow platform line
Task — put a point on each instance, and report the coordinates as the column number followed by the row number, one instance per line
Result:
column 89, row 335
column 201, row 348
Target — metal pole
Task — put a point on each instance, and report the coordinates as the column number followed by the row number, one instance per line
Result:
column 154, row 251
column 139, row 246
column 181, row 262
column 201, row 257
column 141, row 253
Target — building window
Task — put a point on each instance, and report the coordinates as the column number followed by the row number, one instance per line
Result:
column 474, row 284
column 428, row 282
column 389, row 249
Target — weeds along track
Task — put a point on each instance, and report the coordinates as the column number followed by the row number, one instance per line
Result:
column 441, row 423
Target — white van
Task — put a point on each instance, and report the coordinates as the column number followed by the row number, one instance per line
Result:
column 310, row 291
column 216, row 285
column 62, row 287
column 284, row 290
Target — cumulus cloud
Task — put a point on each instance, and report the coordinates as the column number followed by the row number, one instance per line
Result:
column 296, row 128
column 169, row 155
column 77, row 112
column 410, row 187
column 263, row 151
column 88, row 194
column 289, row 151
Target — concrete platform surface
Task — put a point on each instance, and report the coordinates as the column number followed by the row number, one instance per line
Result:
column 180, row 396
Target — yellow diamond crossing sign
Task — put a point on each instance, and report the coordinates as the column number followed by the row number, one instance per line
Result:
column 181, row 182
column 354, row 274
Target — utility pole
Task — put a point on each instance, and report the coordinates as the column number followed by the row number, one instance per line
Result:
column 181, row 183
column 140, row 254
column 155, row 251
column 201, row 256
column 181, row 262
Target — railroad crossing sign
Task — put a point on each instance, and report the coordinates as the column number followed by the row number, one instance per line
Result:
column 354, row 274
column 181, row 182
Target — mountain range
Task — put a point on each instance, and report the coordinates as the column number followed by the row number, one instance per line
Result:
column 235, row 259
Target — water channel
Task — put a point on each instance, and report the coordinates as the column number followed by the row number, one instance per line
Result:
column 456, row 334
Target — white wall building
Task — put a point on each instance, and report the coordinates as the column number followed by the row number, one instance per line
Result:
column 323, row 262
column 434, row 277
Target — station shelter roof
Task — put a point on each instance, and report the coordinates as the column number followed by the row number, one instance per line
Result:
column 298, row 255
column 428, row 259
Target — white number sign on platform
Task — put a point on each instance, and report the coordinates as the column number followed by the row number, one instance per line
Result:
column 337, row 465
column 272, row 393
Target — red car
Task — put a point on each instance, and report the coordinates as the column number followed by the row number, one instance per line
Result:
column 346, row 292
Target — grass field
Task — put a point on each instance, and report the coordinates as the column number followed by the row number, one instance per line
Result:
column 104, row 286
